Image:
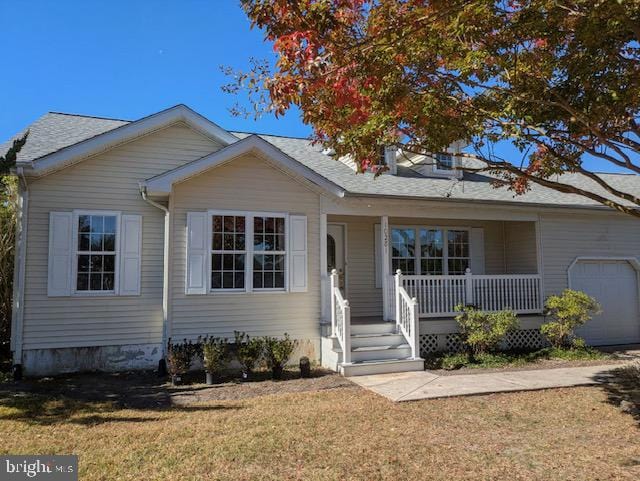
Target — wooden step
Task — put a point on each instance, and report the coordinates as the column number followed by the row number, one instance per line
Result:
column 380, row 353
column 364, row 368
column 377, row 328
column 379, row 339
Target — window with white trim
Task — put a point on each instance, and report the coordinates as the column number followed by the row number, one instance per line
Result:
column 430, row 250
column 96, row 253
column 248, row 251
column 269, row 252
column 228, row 252
column 458, row 258
column 444, row 162
column 403, row 250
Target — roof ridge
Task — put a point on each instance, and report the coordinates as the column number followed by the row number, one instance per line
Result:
column 270, row 135
column 89, row 116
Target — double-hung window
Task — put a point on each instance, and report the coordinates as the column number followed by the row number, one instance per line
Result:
column 403, row 250
column 457, row 251
column 248, row 251
column 444, row 162
column 430, row 250
column 96, row 253
column 269, row 252
column 228, row 254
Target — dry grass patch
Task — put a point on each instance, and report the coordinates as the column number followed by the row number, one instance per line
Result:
column 337, row 434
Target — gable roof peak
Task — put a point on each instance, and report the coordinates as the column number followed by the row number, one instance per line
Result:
column 115, row 132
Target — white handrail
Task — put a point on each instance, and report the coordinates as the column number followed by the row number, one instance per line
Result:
column 340, row 318
column 438, row 295
column 407, row 317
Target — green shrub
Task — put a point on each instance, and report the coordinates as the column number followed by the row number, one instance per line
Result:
column 568, row 311
column 481, row 331
column 215, row 353
column 277, row 352
column 248, row 351
column 180, row 355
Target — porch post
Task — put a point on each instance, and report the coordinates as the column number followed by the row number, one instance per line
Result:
column 324, row 277
column 384, row 242
column 468, row 283
column 540, row 259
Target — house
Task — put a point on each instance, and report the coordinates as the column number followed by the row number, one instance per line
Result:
column 131, row 233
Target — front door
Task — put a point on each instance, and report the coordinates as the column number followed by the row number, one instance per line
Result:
column 336, row 252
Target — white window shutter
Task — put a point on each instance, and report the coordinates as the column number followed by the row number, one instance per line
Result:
column 130, row 254
column 197, row 240
column 60, row 254
column 298, row 253
column 477, row 250
column 377, row 252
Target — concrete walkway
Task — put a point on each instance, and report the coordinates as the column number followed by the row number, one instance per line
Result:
column 412, row 386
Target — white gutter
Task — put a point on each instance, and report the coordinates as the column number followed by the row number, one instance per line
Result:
column 165, row 272
column 17, row 315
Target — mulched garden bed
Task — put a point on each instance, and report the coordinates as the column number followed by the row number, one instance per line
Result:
column 145, row 389
column 446, row 364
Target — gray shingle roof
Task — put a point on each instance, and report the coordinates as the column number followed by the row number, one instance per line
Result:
column 473, row 186
column 55, row 131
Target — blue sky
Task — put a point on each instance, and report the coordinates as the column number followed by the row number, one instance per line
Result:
column 126, row 59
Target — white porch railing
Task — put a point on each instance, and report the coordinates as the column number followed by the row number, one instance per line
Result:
column 340, row 318
column 406, row 314
column 437, row 296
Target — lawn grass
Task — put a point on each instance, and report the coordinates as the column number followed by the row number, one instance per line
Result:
column 339, row 434
column 505, row 359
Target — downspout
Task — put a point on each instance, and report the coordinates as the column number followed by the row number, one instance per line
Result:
column 17, row 314
column 162, row 364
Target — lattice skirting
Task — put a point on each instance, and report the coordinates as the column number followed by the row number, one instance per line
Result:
column 525, row 339
column 520, row 339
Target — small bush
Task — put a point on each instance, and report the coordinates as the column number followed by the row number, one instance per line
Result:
column 512, row 358
column 248, row 351
column 180, row 355
column 215, row 353
column 482, row 332
column 277, row 352
column 568, row 311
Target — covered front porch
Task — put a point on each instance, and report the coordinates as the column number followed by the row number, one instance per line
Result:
column 493, row 264
column 393, row 283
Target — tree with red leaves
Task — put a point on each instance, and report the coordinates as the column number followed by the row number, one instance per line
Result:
column 559, row 80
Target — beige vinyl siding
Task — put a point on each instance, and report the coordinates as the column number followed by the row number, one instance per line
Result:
column 247, row 183
column 108, row 181
column 567, row 236
column 520, row 247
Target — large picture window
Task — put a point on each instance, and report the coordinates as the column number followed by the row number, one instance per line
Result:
column 248, row 251
column 430, row 250
column 96, row 253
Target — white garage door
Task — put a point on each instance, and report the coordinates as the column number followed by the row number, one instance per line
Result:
column 615, row 285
